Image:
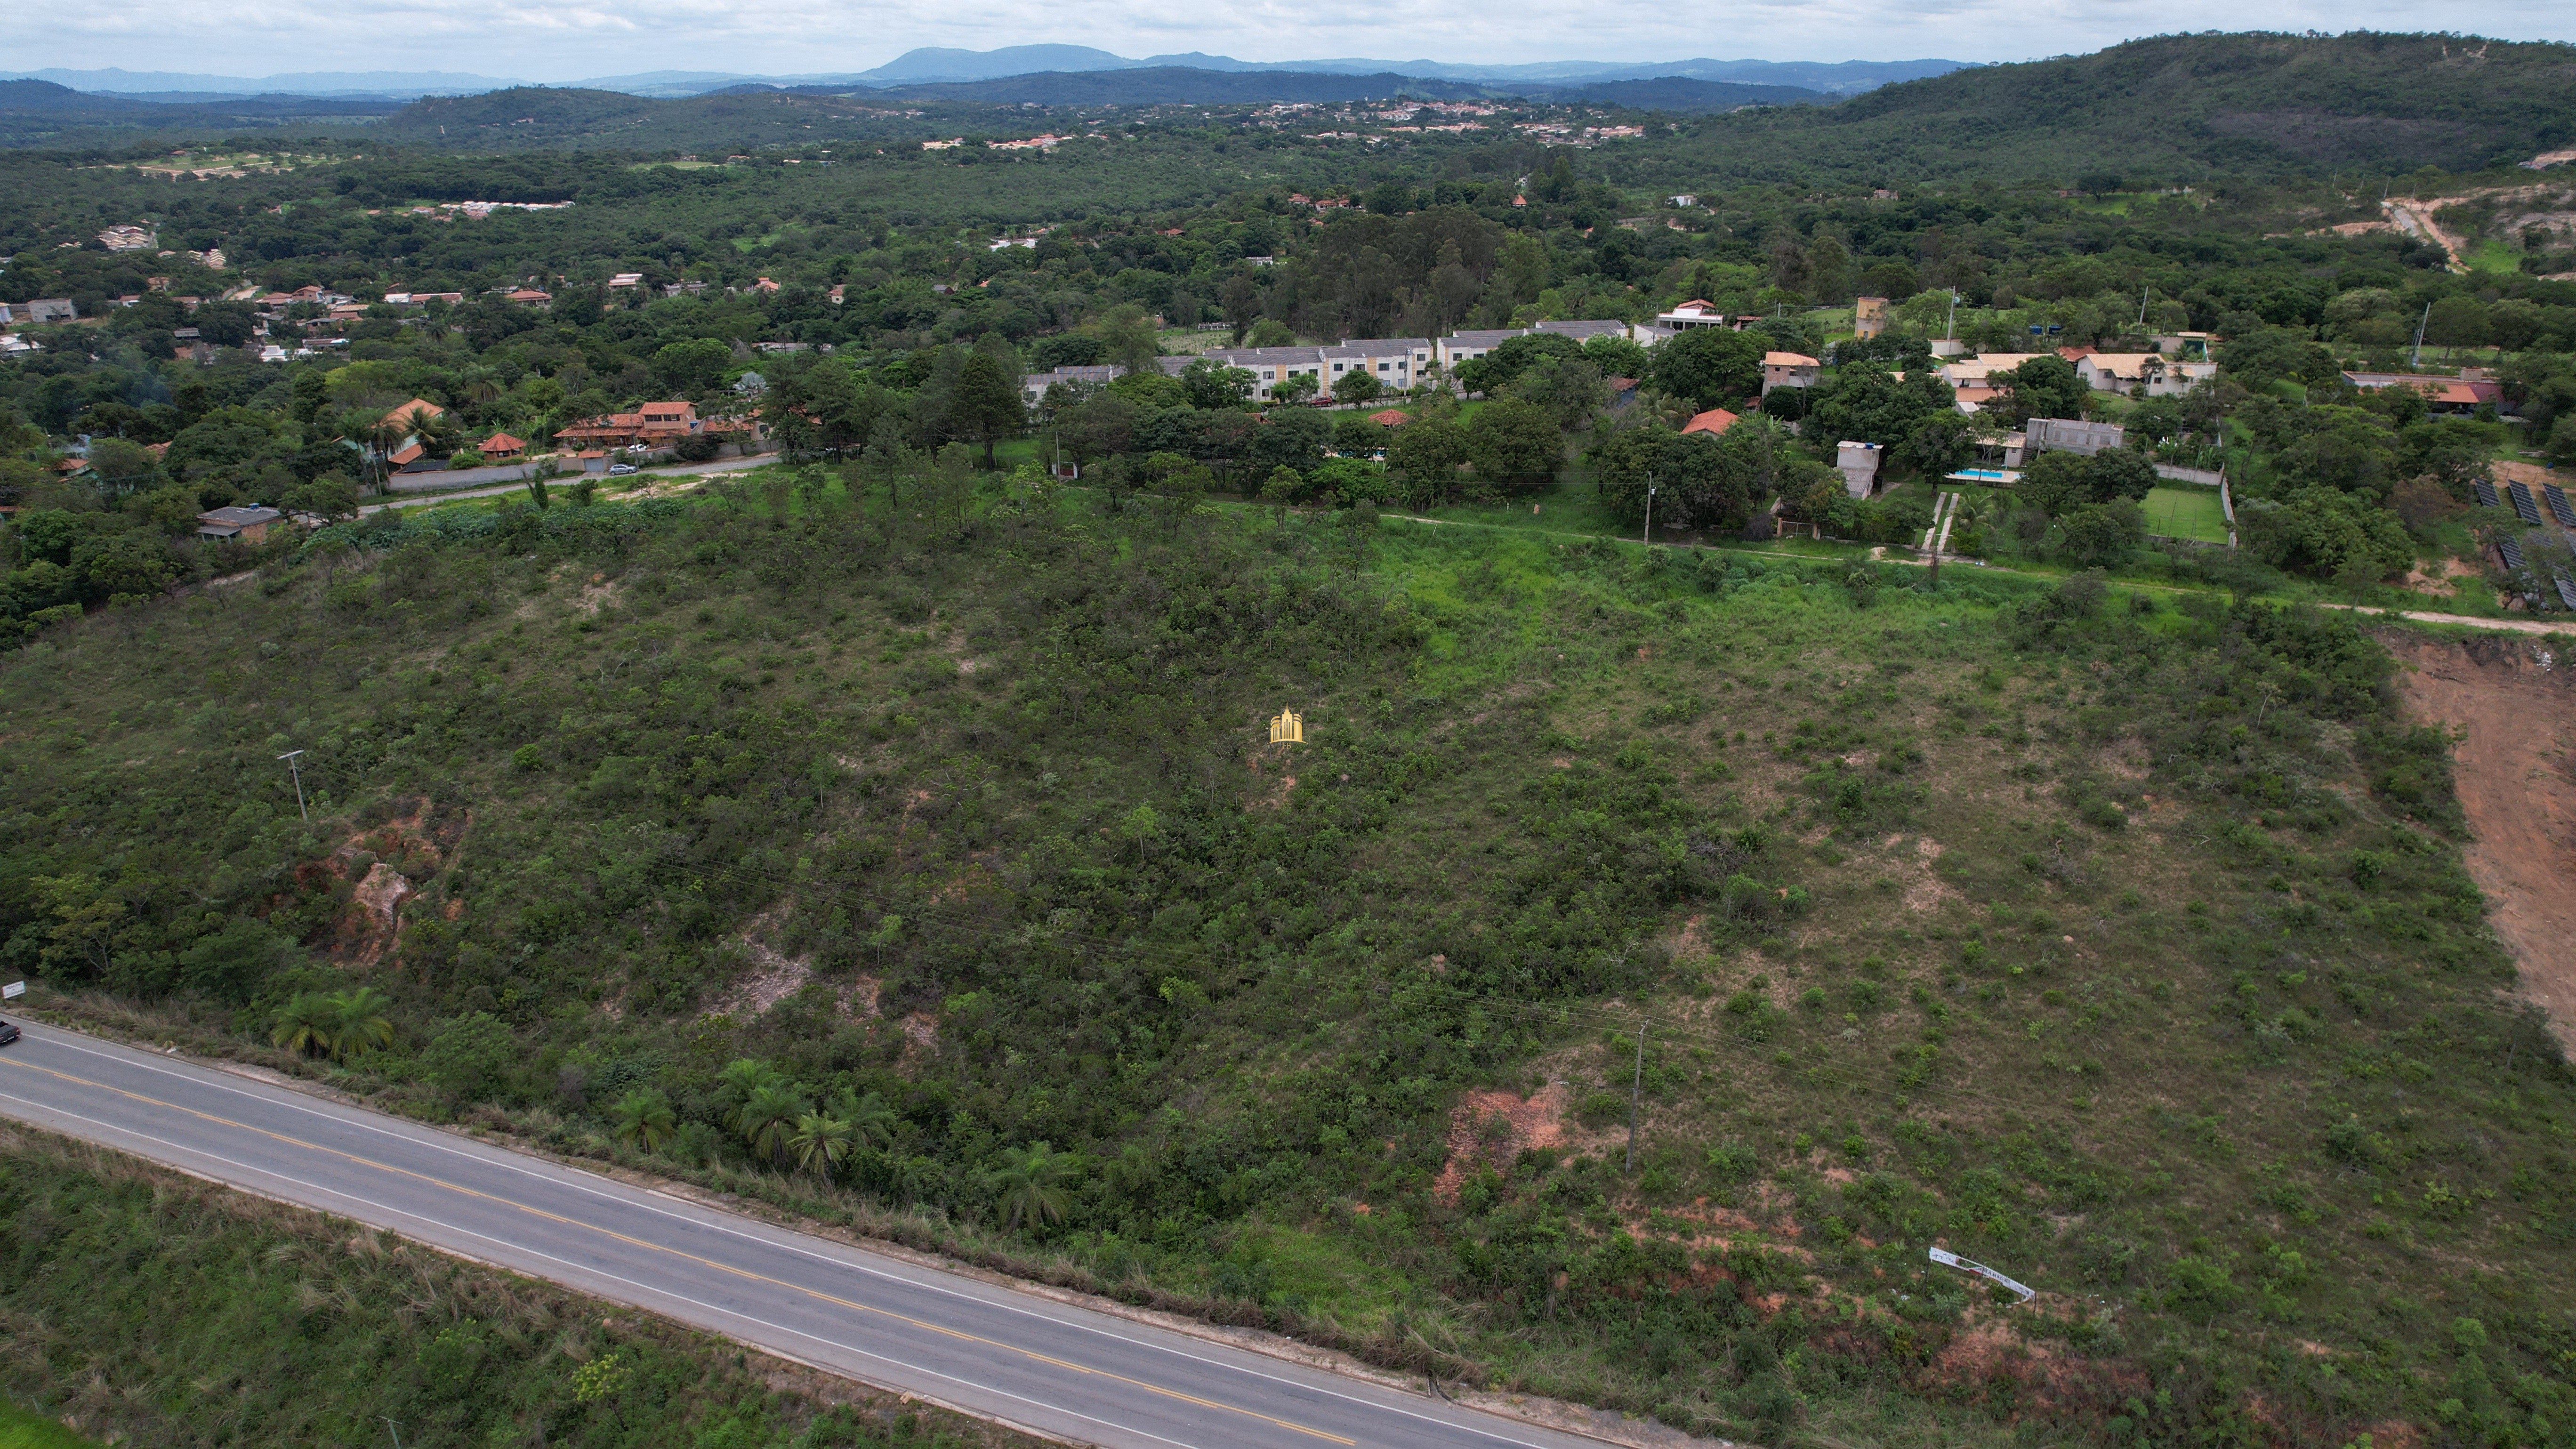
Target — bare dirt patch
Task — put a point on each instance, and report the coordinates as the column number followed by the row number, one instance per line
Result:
column 380, row 897
column 1928, row 891
column 1493, row 1127
column 2442, row 580
column 774, row 976
column 2512, row 703
column 595, row 595
column 2530, row 475
column 383, row 861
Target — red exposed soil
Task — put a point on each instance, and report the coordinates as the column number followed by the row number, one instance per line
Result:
column 1987, row 1354
column 1538, row 1121
column 2513, row 704
column 410, row 847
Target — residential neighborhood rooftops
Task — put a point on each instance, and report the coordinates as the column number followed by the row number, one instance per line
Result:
column 1715, row 420
column 1391, row 418
column 1789, row 359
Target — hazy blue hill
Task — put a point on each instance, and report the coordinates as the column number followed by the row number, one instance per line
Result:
column 1180, row 85
column 935, row 63
column 394, row 83
column 34, row 112
column 1680, row 93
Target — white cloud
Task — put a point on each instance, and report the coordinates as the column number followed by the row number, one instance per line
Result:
column 559, row 42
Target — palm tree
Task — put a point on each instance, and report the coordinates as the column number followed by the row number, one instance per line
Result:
column 745, row 1075
column 359, row 1021
column 643, row 1118
column 872, row 1122
column 304, row 1024
column 767, row 1119
column 1030, row 1184
column 379, row 438
column 820, row 1141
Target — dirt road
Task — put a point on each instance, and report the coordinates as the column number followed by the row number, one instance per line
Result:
column 2515, row 702
column 2525, row 625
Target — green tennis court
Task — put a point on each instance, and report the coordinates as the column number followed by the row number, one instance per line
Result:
column 2186, row 513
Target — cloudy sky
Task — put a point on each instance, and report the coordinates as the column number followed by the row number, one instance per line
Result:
column 571, row 39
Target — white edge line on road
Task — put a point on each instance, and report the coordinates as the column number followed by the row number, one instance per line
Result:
column 569, row 1266
column 574, row 1178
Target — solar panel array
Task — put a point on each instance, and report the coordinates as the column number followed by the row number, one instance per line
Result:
column 2559, row 507
column 2566, row 587
column 2524, row 506
column 2486, row 494
column 2512, row 552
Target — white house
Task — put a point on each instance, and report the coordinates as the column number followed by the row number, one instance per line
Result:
column 2124, row 371
column 1081, row 379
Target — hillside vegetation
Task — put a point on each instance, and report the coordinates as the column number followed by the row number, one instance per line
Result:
column 236, row 1321
column 2118, row 941
column 2184, row 107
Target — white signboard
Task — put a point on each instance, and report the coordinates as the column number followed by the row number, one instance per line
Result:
column 13, row 991
column 1948, row 1259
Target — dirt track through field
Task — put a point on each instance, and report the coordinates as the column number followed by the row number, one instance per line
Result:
column 2516, row 762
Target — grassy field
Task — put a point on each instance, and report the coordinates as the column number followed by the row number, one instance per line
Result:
column 23, row 1429
column 2191, row 513
column 231, row 1320
column 2116, row 940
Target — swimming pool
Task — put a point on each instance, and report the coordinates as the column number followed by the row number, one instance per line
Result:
column 1986, row 475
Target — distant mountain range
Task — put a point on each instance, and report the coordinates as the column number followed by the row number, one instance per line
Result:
column 34, row 112
column 937, row 66
column 368, row 84
column 1188, row 85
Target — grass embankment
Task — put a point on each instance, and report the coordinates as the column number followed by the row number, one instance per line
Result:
column 22, row 1429
column 153, row 1309
column 2117, row 941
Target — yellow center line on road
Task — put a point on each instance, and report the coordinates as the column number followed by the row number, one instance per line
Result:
column 744, row 1273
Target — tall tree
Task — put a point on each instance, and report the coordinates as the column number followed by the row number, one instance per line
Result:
column 986, row 406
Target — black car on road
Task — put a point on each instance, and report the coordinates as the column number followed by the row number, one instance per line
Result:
column 8, row 1033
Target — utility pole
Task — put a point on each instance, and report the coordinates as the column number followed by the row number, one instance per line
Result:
column 2416, row 359
column 1950, row 329
column 2143, row 294
column 390, row 1429
column 1636, row 1089
column 1648, row 535
column 298, row 772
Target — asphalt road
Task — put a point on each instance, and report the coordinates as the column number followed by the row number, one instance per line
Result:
column 989, row 1350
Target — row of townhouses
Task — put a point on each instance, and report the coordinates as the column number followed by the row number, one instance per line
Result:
column 1396, row 362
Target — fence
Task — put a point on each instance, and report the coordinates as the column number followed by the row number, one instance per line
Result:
column 2205, row 477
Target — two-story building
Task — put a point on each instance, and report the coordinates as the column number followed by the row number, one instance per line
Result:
column 651, row 425
column 1789, row 369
